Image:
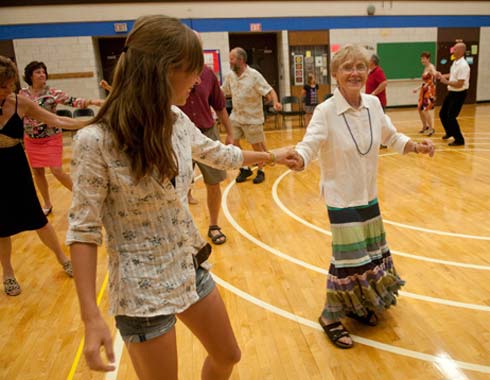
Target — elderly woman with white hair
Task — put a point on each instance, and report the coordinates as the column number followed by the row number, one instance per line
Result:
column 345, row 132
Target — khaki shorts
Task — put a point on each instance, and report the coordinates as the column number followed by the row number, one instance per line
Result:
column 254, row 133
column 211, row 176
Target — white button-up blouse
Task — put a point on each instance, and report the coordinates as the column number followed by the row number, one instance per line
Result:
column 348, row 172
column 150, row 233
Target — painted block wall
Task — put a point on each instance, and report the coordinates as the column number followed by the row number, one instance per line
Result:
column 399, row 92
column 72, row 54
column 62, row 55
column 483, row 85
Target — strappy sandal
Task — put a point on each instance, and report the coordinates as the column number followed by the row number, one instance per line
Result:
column 430, row 132
column 370, row 319
column 218, row 238
column 335, row 334
column 67, row 267
column 11, row 287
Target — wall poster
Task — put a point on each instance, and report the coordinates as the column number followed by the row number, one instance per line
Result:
column 213, row 61
column 299, row 79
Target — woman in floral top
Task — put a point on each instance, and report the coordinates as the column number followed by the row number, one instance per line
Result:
column 131, row 171
column 44, row 145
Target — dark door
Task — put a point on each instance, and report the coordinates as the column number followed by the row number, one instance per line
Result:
column 7, row 50
column 261, row 50
column 110, row 49
column 446, row 38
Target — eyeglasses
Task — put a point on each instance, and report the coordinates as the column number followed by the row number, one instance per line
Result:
column 360, row 68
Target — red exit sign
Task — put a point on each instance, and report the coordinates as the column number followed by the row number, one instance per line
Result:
column 120, row 27
column 256, row 27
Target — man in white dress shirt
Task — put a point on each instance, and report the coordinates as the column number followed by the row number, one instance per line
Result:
column 458, row 82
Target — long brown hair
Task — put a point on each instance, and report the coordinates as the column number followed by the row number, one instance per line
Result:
column 137, row 110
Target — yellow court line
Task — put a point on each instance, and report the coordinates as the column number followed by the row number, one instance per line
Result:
column 80, row 346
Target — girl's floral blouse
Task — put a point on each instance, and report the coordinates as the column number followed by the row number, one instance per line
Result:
column 150, row 233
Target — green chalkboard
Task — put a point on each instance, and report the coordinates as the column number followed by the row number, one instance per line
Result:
column 401, row 60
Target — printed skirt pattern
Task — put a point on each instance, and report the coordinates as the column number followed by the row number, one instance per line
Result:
column 361, row 276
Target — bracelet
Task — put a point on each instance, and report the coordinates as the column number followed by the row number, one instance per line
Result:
column 272, row 159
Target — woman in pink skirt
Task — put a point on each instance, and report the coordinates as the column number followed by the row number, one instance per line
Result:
column 44, row 145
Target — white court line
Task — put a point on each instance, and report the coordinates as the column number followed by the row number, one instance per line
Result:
column 415, row 257
column 399, row 253
column 367, row 342
column 411, row 121
column 407, row 226
column 119, row 344
column 323, row 271
column 118, row 347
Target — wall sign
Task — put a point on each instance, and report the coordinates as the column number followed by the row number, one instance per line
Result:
column 299, row 78
column 212, row 60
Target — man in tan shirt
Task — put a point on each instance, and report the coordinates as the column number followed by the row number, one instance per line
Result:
column 247, row 86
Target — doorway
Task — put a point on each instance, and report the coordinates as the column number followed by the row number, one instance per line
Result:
column 262, row 54
column 446, row 38
column 7, row 50
column 110, row 49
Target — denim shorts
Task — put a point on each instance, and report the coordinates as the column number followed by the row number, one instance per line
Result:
column 141, row 329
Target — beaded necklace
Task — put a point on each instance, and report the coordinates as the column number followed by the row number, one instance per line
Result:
column 353, row 138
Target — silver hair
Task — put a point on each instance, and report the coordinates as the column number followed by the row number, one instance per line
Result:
column 375, row 59
column 241, row 53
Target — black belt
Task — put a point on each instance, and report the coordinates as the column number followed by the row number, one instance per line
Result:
column 202, row 255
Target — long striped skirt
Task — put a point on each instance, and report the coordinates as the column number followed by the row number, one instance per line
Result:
column 361, row 276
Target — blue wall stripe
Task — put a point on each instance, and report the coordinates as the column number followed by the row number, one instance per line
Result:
column 106, row 28
column 66, row 29
column 341, row 22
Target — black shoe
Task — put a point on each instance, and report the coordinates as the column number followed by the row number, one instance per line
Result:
column 445, row 137
column 260, row 177
column 456, row 143
column 244, row 174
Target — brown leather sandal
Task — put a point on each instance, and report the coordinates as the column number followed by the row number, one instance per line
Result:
column 218, row 238
column 370, row 319
column 335, row 334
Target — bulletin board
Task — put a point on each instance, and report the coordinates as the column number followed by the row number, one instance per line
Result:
column 213, row 61
column 298, row 69
column 401, row 60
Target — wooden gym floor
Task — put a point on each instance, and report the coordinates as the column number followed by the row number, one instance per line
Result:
column 272, row 270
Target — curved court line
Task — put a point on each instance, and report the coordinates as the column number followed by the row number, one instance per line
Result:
column 323, row 271
column 367, row 342
column 281, row 205
column 403, row 225
column 438, row 232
